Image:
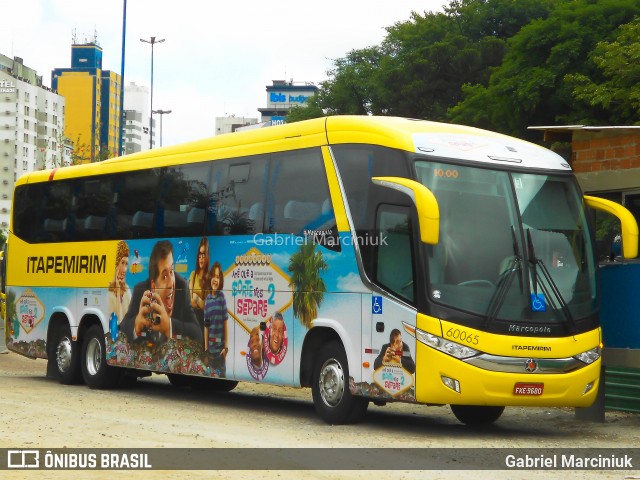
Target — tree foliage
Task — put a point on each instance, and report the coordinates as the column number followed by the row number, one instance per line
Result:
column 529, row 87
column 309, row 111
column 498, row 64
column 614, row 85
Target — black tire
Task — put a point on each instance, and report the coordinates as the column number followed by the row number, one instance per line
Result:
column 95, row 370
column 64, row 356
column 476, row 415
column 330, row 388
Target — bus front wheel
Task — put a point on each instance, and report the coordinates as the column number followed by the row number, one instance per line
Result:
column 330, row 388
column 65, row 357
column 95, row 370
column 475, row 415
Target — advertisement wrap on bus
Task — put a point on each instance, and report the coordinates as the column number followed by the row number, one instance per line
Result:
column 370, row 259
column 260, row 277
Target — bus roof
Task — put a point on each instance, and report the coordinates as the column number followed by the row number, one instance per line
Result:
column 420, row 136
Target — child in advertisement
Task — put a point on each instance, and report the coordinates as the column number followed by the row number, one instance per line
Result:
column 215, row 323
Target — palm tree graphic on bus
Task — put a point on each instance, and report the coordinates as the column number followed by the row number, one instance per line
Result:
column 306, row 267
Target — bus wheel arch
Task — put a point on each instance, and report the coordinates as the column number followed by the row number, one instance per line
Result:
column 63, row 352
column 313, row 342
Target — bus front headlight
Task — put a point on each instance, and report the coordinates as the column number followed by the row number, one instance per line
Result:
column 589, row 356
column 449, row 347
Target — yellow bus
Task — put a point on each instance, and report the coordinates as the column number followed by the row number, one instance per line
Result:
column 371, row 259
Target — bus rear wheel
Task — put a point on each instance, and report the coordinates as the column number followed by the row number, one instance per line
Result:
column 330, row 388
column 64, row 356
column 476, row 415
column 95, row 370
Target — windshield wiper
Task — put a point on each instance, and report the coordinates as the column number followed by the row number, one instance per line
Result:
column 537, row 262
column 504, row 283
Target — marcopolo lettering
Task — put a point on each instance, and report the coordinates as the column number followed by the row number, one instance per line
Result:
column 67, row 264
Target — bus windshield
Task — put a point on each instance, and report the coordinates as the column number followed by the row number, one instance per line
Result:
column 513, row 246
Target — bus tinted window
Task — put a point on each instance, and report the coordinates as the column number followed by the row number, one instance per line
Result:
column 137, row 203
column 395, row 250
column 183, row 200
column 299, row 202
column 236, row 196
column 90, row 213
column 56, row 205
column 357, row 164
column 26, row 211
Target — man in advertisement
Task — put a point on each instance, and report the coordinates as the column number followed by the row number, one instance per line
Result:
column 396, row 351
column 160, row 306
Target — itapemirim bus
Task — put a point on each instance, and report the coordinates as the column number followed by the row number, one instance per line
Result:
column 371, row 259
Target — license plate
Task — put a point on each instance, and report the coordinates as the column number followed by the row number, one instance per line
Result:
column 528, row 389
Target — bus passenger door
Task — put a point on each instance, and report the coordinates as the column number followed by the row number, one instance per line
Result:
column 392, row 348
column 392, row 316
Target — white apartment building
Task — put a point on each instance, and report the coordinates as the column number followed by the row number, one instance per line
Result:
column 136, row 113
column 31, row 128
column 232, row 123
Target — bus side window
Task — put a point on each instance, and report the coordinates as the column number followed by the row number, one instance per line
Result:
column 299, row 201
column 236, row 196
column 25, row 212
column 183, row 199
column 137, row 200
column 56, row 206
column 394, row 259
column 89, row 218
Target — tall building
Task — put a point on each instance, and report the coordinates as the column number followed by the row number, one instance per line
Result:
column 282, row 96
column 31, row 128
column 232, row 124
column 93, row 103
column 136, row 115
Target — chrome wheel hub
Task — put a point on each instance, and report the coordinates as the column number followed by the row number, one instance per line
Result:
column 331, row 383
column 93, row 356
column 63, row 354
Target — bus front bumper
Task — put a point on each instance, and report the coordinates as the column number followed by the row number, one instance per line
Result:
column 443, row 379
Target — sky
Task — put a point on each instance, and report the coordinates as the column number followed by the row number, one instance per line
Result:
column 218, row 56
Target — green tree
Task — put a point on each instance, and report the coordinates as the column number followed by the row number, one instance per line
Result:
column 310, row 110
column 352, row 87
column 614, row 86
column 420, row 67
column 306, row 267
column 105, row 153
column 529, row 87
column 81, row 152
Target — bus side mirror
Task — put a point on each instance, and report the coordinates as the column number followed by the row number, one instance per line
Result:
column 425, row 202
column 627, row 222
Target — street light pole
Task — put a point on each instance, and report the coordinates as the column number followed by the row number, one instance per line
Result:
column 161, row 113
column 152, row 41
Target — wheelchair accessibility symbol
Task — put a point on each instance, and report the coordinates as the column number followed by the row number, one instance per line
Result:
column 376, row 305
column 538, row 302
